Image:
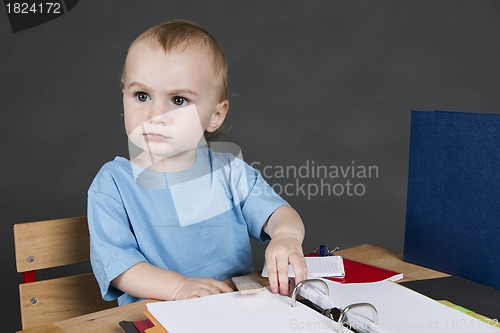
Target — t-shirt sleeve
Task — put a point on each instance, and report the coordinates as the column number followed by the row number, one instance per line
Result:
column 258, row 200
column 113, row 247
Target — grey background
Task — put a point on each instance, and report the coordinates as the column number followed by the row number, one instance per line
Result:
column 324, row 81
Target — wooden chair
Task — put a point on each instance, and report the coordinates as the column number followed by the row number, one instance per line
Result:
column 48, row 244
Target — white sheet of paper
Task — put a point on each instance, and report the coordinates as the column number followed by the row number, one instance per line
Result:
column 233, row 312
column 399, row 309
column 329, row 266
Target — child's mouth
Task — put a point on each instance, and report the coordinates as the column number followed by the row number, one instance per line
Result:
column 156, row 137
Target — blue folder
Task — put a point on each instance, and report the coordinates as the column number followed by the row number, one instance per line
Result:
column 453, row 202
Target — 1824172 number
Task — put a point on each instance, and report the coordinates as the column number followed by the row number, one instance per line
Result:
column 33, row 8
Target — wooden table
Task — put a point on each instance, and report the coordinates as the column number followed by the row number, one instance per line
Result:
column 106, row 321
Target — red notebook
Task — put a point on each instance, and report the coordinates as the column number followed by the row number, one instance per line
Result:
column 139, row 326
column 357, row 272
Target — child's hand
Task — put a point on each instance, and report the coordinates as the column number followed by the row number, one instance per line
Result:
column 280, row 252
column 198, row 287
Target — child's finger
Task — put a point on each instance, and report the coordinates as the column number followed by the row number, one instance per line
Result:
column 299, row 267
column 272, row 273
column 221, row 286
column 282, row 263
column 204, row 291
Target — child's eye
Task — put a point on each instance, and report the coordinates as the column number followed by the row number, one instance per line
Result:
column 142, row 96
column 179, row 100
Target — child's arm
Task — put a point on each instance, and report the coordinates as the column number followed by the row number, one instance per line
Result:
column 287, row 233
column 147, row 281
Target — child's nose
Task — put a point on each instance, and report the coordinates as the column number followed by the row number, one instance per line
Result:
column 158, row 113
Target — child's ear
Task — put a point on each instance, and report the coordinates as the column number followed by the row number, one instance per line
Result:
column 218, row 116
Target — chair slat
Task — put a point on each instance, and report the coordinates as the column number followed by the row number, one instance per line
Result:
column 51, row 243
column 43, row 302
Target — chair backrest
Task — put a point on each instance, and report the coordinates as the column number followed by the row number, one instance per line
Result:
column 48, row 244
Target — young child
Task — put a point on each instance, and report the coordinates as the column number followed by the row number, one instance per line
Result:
column 175, row 220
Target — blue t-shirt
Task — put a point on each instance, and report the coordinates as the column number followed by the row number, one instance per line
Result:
column 196, row 222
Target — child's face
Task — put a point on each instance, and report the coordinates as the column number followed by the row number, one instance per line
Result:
column 170, row 99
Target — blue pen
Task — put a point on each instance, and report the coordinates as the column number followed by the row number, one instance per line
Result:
column 322, row 250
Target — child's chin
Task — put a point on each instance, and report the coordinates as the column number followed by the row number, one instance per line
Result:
column 167, row 154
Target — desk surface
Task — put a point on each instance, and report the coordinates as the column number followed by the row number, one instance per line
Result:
column 107, row 320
